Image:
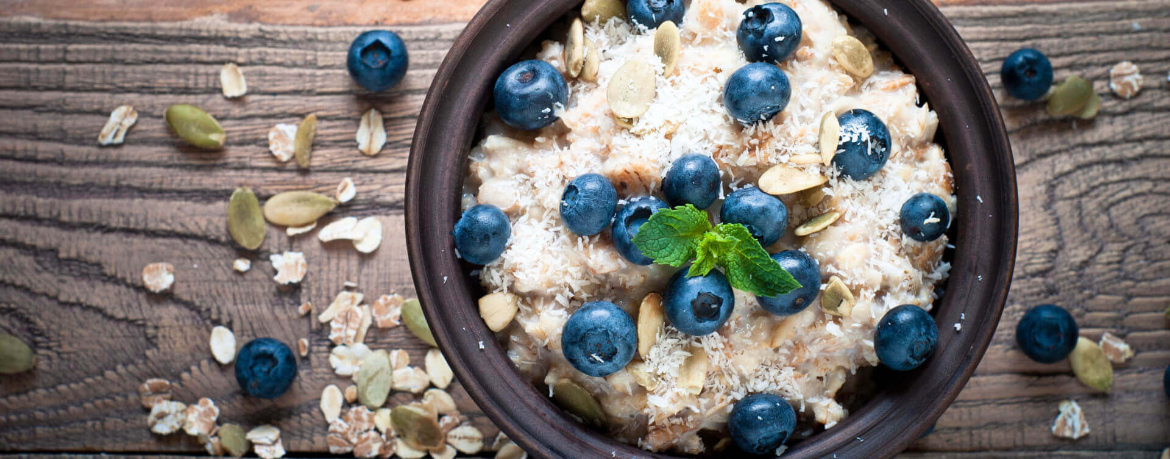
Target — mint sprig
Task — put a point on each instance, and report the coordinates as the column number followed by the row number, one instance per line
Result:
column 675, row 236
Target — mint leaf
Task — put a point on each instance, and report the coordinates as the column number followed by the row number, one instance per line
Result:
column 671, row 236
column 707, row 254
column 748, row 266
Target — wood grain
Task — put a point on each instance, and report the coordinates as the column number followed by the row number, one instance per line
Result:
column 78, row 222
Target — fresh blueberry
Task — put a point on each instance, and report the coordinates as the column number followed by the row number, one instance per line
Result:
column 760, row 423
column 905, row 337
column 768, row 33
column 377, row 60
column 756, row 92
column 865, row 144
column 652, row 13
column 807, row 272
column 1166, row 381
column 629, row 218
column 692, row 179
column 528, row 94
column 1047, row 333
column 925, row 217
column 763, row 214
column 698, row 305
column 1027, row 74
column 599, row 339
column 482, row 233
column 265, row 368
column 588, row 204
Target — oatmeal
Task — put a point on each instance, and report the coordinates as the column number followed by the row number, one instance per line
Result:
column 683, row 384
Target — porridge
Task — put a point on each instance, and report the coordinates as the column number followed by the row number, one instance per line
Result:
column 638, row 108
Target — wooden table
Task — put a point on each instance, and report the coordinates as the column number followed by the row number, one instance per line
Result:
column 79, row 222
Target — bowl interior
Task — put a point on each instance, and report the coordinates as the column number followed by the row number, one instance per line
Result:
column 983, row 231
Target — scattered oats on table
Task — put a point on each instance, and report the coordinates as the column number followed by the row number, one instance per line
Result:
column 346, row 190
column 1125, row 80
column 331, row 402
column 343, row 329
column 351, row 393
column 231, row 81
column 343, row 302
column 1070, row 423
column 158, row 276
column 371, row 230
column 297, row 230
column 371, row 133
column 305, row 308
column 290, row 267
column 223, row 344
column 345, row 360
column 201, row 417
column 281, row 139
column 303, row 347
column 1116, row 350
column 387, row 310
column 399, row 359
column 154, row 390
column 437, row 369
column 343, row 228
column 167, row 417
column 242, row 265
column 121, row 119
column 411, row 379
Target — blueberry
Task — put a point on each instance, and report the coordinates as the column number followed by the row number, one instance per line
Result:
column 1047, row 333
column 905, row 337
column 768, row 33
column 377, row 60
column 925, row 217
column 599, row 339
column 692, row 179
column 482, row 233
column 807, row 272
column 1026, row 74
column 865, row 144
column 698, row 305
column 760, row 423
column 265, row 368
column 528, row 94
column 588, row 204
column 652, row 13
column 756, row 92
column 625, row 226
column 763, row 214
column 1166, row 381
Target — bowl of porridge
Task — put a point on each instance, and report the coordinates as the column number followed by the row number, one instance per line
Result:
column 659, row 228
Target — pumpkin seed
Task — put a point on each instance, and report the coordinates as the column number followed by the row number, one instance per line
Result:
column 498, row 309
column 15, row 356
column 641, row 374
column 1091, row 108
column 573, row 398
column 650, row 321
column 1070, row 97
column 374, row 379
column 837, row 300
column 232, row 438
column 666, row 46
column 575, row 48
column 303, row 145
column 1166, row 313
column 817, row 223
column 602, row 10
column 413, row 316
column 853, row 56
column 830, row 137
column 812, row 197
column 416, row 427
column 785, row 179
column 245, row 220
column 631, row 89
column 195, row 126
column 1091, row 365
column 297, row 208
column 592, row 62
column 624, row 122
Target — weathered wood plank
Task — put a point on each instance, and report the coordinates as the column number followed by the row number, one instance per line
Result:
column 78, row 222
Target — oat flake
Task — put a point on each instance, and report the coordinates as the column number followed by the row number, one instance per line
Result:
column 1125, row 80
column 158, row 276
column 280, row 141
column 290, row 267
column 121, row 119
column 1070, row 423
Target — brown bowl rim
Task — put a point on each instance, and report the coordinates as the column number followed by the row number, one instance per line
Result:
column 970, row 125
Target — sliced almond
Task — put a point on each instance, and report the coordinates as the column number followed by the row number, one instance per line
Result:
column 371, row 228
column 666, row 46
column 651, row 319
column 331, row 398
column 345, row 228
column 280, row 141
column 817, row 223
column 231, row 80
column 158, row 277
column 785, row 179
column 342, row 303
column 223, row 344
column 121, row 119
column 438, row 370
column 303, row 347
column 575, row 48
column 592, row 62
column 411, row 379
column 829, row 137
column 498, row 309
column 371, row 133
column 346, row 190
column 440, row 400
column 837, row 300
column 466, row 438
column 298, row 230
column 242, row 265
column 693, row 373
column 290, row 267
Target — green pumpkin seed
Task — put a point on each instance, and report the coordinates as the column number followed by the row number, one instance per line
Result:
column 853, row 56
column 837, row 300
column 1091, row 109
column 195, row 126
column 413, row 316
column 15, row 356
column 233, row 439
column 374, row 379
column 1070, row 97
column 1091, row 365
column 830, row 137
column 812, row 196
column 592, row 62
column 603, row 10
column 1166, row 314
column 297, row 208
column 245, row 220
column 573, row 398
column 666, row 46
column 575, row 48
column 417, row 427
column 631, row 89
column 303, row 143
column 817, row 223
